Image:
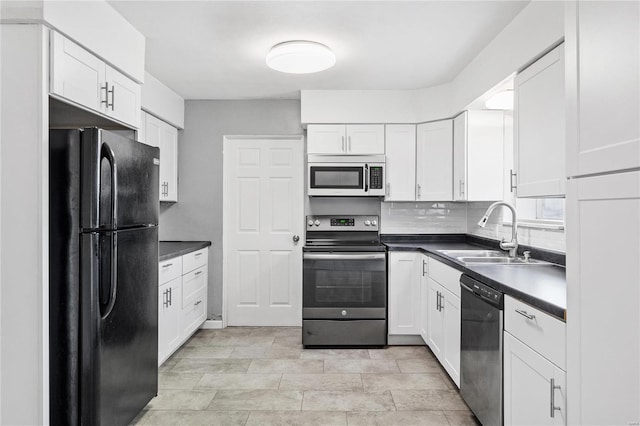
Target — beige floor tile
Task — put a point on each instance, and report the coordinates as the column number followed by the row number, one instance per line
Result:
column 347, row 401
column 277, row 331
column 178, row 380
column 224, row 340
column 428, row 400
column 351, row 382
column 182, row 400
column 447, row 379
column 239, row 381
column 210, row 365
column 194, row 418
column 204, row 352
column 297, row 418
column 398, row 418
column 168, row 365
column 291, row 341
column 334, row 354
column 265, row 352
column 256, row 400
column 229, row 331
column 400, row 352
column 380, row 382
column 360, row 366
column 461, row 418
column 419, row 365
column 285, row 366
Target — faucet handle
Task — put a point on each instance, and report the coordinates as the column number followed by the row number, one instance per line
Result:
column 527, row 255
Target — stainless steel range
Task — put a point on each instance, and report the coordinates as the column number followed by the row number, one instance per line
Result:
column 344, row 282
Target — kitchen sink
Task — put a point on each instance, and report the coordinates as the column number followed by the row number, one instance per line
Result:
column 468, row 260
column 480, row 253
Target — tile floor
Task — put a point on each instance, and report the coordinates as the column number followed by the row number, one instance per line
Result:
column 263, row 376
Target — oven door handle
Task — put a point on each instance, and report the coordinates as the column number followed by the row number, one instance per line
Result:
column 344, row 256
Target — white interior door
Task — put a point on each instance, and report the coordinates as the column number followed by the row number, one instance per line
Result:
column 263, row 217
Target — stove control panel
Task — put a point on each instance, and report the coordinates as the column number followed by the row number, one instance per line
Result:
column 342, row 223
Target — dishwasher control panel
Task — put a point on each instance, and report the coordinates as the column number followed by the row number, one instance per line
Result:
column 482, row 290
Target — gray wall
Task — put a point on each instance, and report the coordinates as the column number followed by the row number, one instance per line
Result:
column 198, row 214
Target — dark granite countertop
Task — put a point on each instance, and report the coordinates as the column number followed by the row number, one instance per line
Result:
column 171, row 249
column 542, row 286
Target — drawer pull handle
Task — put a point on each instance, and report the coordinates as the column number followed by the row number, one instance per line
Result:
column 553, row 397
column 198, row 273
column 198, row 255
column 525, row 314
column 167, row 265
column 200, row 301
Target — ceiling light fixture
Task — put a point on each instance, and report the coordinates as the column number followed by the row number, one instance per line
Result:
column 500, row 100
column 300, row 57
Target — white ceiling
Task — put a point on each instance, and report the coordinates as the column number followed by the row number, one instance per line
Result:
column 217, row 49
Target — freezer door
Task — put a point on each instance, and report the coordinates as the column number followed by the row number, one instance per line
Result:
column 119, row 324
column 119, row 181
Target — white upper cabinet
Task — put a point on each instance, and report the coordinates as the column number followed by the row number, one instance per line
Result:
column 434, row 161
column 156, row 132
column 80, row 77
column 340, row 139
column 539, row 127
column 603, row 86
column 478, row 156
column 400, row 148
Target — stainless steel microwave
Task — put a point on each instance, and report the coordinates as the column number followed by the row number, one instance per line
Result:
column 342, row 175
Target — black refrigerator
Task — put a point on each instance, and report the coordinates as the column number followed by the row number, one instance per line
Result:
column 103, row 276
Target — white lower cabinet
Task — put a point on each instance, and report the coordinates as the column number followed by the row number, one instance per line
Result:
column 535, row 389
column 404, row 293
column 444, row 328
column 182, row 300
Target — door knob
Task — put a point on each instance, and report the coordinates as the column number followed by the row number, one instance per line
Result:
column 296, row 238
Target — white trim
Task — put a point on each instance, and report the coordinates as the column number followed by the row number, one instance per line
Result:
column 211, row 325
column 538, row 224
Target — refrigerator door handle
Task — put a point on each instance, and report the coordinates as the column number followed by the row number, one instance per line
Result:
column 107, row 152
column 113, row 276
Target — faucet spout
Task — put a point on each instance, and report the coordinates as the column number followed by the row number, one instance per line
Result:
column 511, row 246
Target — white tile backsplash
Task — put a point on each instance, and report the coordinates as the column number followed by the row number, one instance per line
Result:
column 461, row 218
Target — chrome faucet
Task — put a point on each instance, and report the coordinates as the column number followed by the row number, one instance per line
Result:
column 512, row 245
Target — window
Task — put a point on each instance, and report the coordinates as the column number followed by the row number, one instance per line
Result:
column 540, row 212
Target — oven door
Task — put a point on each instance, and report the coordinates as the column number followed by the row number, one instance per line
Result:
column 344, row 285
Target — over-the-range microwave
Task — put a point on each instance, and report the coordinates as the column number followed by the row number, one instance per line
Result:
column 345, row 175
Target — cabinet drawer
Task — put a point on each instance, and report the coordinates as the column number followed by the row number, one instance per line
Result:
column 194, row 260
column 194, row 313
column 445, row 275
column 193, row 283
column 169, row 270
column 543, row 333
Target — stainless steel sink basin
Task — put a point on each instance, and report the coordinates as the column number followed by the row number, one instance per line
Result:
column 468, row 260
column 473, row 253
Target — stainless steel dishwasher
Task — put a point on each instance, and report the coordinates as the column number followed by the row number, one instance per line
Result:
column 481, row 350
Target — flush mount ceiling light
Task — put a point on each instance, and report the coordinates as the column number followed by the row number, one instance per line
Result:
column 501, row 100
column 300, row 57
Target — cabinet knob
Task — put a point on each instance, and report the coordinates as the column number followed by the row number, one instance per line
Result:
column 296, row 238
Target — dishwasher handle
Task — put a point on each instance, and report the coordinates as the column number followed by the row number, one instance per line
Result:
column 482, row 291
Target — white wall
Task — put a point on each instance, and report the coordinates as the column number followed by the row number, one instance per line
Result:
column 24, row 219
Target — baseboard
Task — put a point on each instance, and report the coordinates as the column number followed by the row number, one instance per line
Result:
column 401, row 339
column 211, row 324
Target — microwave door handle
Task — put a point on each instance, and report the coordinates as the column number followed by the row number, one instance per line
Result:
column 366, row 178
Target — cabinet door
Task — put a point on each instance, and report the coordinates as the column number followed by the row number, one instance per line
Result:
column 539, row 135
column 123, row 100
column 485, row 156
column 424, row 298
column 365, row 139
column 169, row 310
column 141, row 133
column 400, row 153
column 451, row 358
column 436, row 320
column 434, row 161
column 168, row 163
column 460, row 157
column 528, row 382
column 326, row 139
column 152, row 131
column 603, row 81
column 603, row 299
column 76, row 74
column 404, row 293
